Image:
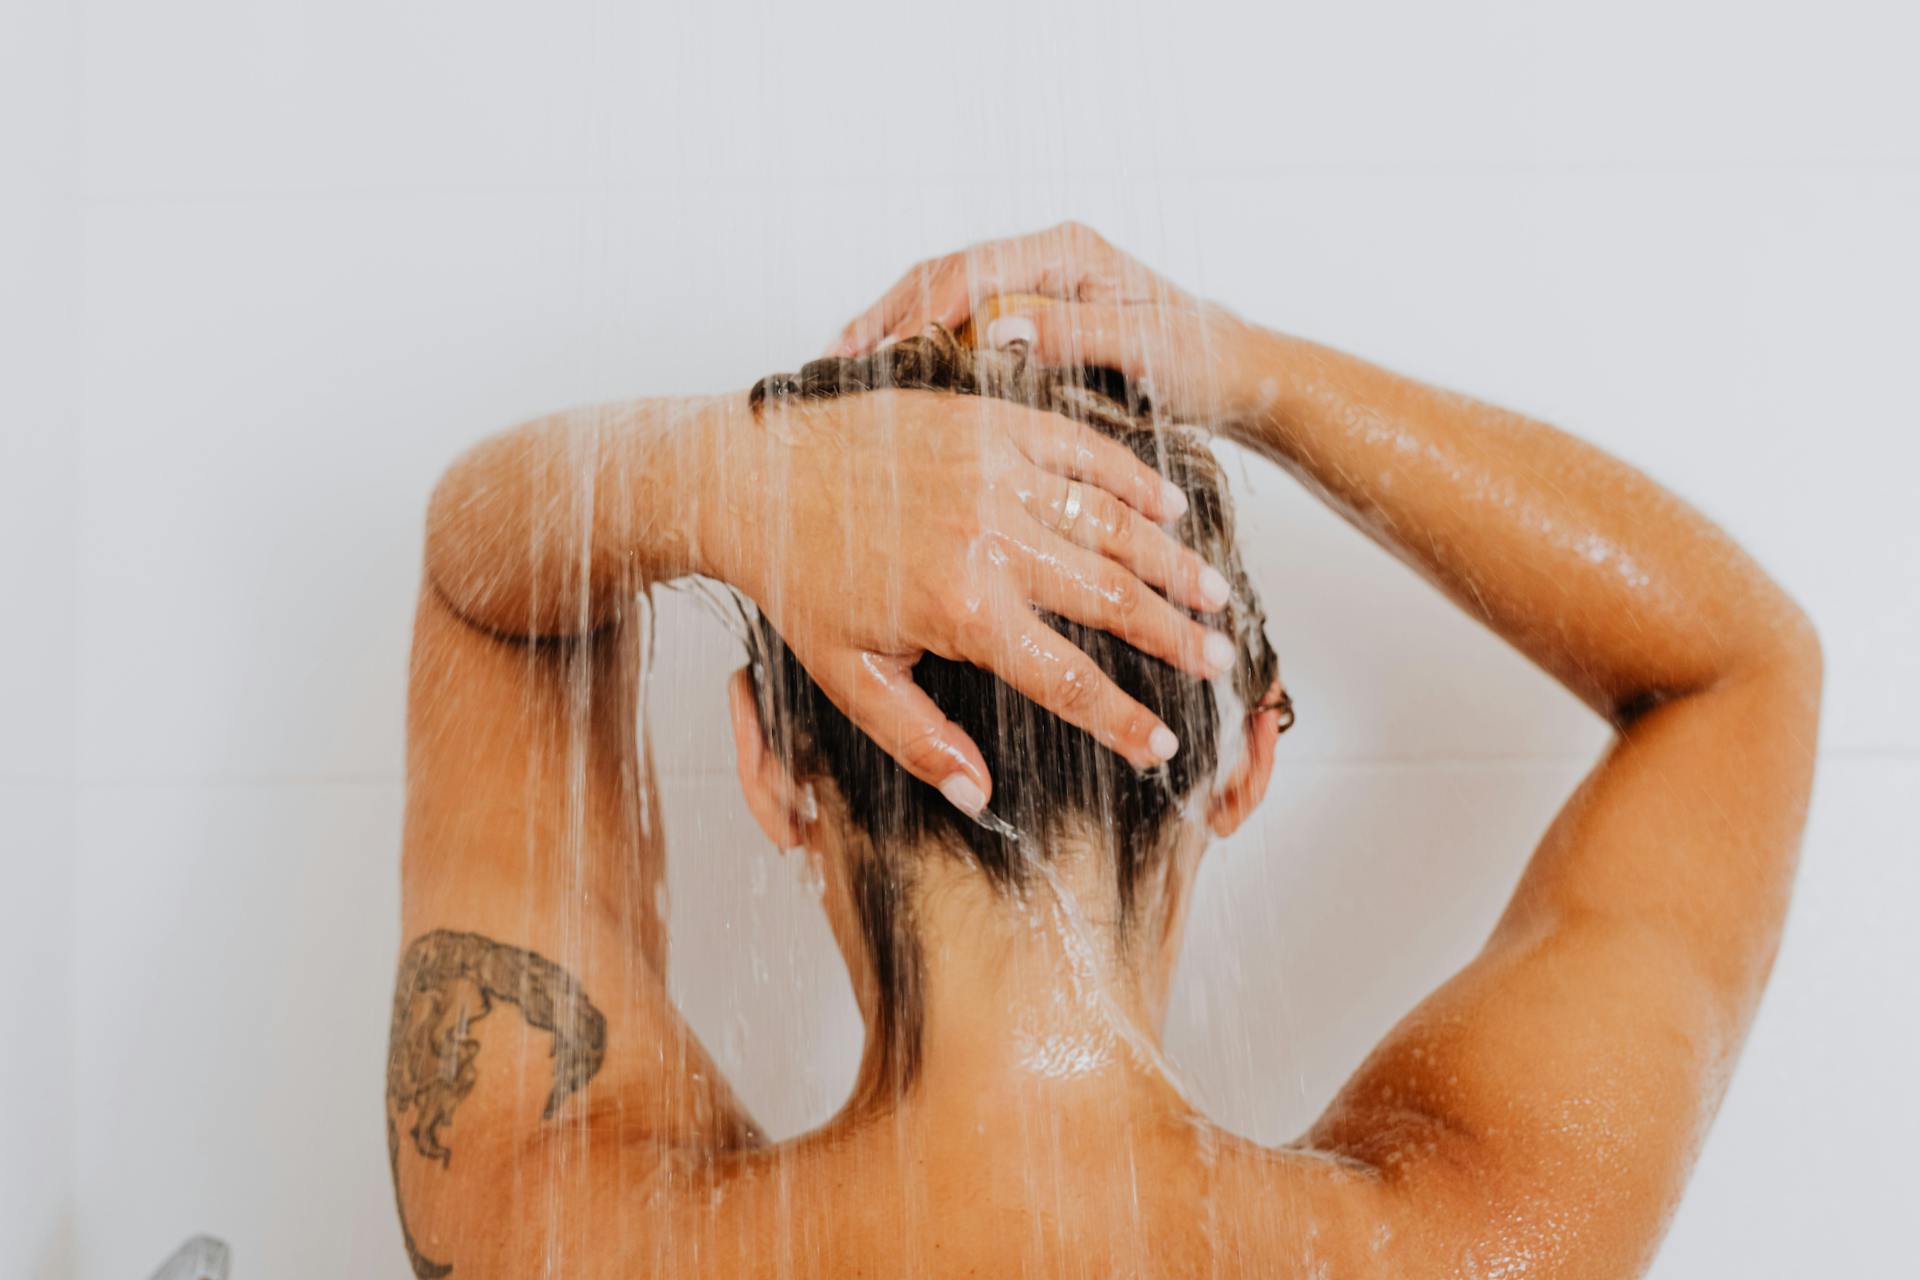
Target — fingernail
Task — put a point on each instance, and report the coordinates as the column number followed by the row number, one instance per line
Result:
column 1175, row 498
column 1220, row 652
column 963, row 795
column 1009, row 331
column 1215, row 590
column 1163, row 744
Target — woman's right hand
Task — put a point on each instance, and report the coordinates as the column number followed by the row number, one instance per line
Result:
column 874, row 528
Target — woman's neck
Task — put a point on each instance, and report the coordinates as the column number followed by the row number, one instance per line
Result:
column 1038, row 999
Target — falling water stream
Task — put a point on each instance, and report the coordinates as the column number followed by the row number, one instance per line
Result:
column 983, row 1087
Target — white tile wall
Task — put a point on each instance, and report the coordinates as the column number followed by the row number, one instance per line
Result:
column 319, row 247
column 234, row 954
column 1809, row 1161
column 39, row 267
column 37, row 1005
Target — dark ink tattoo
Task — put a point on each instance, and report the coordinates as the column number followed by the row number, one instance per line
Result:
column 449, row 981
column 423, row 1266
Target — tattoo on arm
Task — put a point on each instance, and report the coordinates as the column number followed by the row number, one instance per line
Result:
column 423, row 1266
column 449, row 981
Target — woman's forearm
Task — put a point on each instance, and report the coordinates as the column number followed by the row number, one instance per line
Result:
column 1602, row 577
column 549, row 528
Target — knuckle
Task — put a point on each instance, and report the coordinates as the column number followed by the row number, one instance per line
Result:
column 1122, row 531
column 951, row 608
column 1124, row 597
column 1057, row 438
column 996, row 550
column 1073, row 690
column 1079, row 450
column 922, row 751
column 1136, row 727
column 970, row 626
column 1191, row 637
column 1086, row 237
column 1185, row 568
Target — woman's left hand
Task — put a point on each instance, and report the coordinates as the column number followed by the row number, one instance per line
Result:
column 873, row 528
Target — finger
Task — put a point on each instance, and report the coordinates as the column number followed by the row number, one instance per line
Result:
column 930, row 292
column 1096, row 520
column 877, row 693
column 865, row 330
column 946, row 300
column 1110, row 335
column 944, row 290
column 956, row 293
column 1165, row 348
column 1072, row 449
column 1060, row 262
column 1086, row 588
column 1044, row 665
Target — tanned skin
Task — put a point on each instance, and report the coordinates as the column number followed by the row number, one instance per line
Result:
column 1537, row 1115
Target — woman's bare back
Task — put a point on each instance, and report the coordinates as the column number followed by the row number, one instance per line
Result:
column 1538, row 1114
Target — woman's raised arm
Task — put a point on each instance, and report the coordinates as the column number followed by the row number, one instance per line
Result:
column 1571, row 1070
column 870, row 529
column 1556, row 1090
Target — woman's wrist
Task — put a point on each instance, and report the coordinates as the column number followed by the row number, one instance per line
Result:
column 1260, row 391
column 720, row 492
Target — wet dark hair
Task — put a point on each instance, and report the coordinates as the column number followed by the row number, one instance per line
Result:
column 1047, row 774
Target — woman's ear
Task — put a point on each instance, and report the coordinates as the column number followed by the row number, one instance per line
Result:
column 769, row 790
column 1242, row 792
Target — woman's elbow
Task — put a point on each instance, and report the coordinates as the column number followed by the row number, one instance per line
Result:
column 509, row 559
column 466, row 560
column 1774, row 640
column 1786, row 657
column 1803, row 654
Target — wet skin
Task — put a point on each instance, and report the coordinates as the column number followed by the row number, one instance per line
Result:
column 1537, row 1115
